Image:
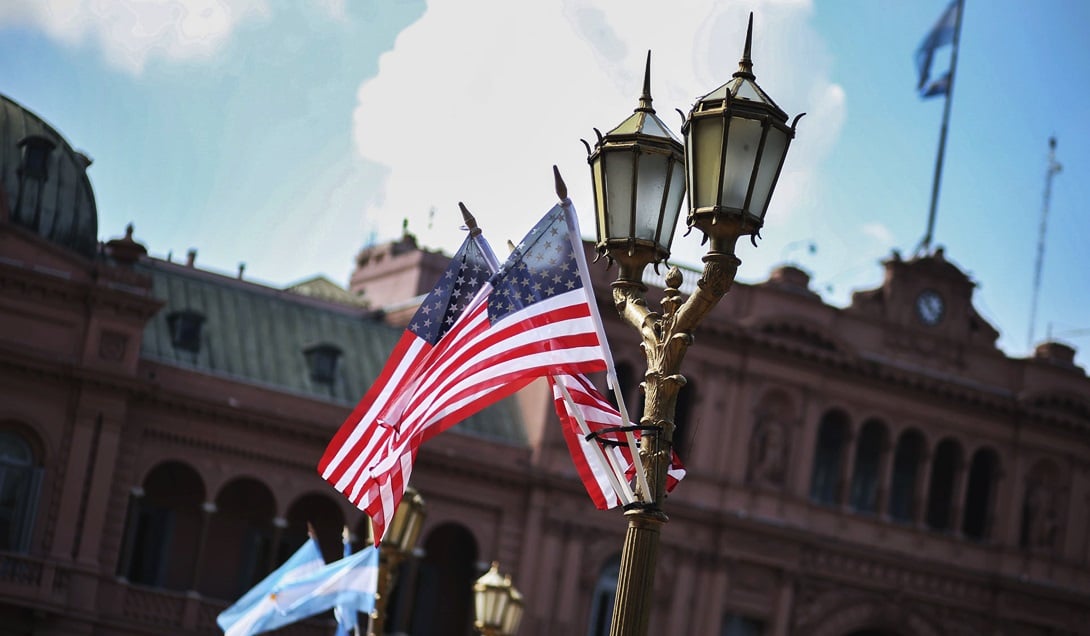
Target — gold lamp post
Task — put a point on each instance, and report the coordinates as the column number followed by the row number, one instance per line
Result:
column 400, row 539
column 498, row 604
column 736, row 139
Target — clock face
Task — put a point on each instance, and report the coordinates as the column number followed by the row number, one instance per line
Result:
column 930, row 307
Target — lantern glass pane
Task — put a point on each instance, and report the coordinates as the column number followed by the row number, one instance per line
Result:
column 673, row 203
column 619, row 174
column 742, row 144
column 771, row 156
column 649, row 189
column 599, row 198
column 747, row 92
column 705, row 163
column 512, row 617
column 489, row 610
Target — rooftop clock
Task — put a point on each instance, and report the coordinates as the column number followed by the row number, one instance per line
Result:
column 930, row 307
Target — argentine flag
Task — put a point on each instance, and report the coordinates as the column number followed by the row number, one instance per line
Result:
column 348, row 584
column 256, row 611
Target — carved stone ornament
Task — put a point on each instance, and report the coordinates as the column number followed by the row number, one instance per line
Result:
column 112, row 345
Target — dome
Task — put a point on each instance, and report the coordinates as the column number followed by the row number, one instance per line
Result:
column 44, row 181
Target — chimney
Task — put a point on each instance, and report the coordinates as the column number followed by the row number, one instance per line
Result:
column 191, row 258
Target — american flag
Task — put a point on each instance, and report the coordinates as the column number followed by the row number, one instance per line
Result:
column 590, row 456
column 471, row 344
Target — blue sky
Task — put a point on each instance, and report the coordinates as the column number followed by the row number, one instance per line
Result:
column 288, row 135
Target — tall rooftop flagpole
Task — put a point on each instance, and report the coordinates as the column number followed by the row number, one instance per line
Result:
column 925, row 244
column 1054, row 168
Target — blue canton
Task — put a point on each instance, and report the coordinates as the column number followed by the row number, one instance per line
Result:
column 543, row 265
column 467, row 273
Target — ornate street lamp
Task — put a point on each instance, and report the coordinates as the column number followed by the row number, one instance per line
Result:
column 638, row 172
column 399, row 542
column 736, row 139
column 498, row 604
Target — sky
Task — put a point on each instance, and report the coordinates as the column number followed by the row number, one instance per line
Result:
column 289, row 135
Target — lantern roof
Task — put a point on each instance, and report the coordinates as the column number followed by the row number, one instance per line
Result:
column 743, row 86
column 643, row 121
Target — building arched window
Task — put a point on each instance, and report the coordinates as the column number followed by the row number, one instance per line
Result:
column 829, row 457
column 164, row 528
column 980, row 494
column 940, row 496
column 20, row 479
column 239, row 548
column 906, row 471
column 443, row 602
column 324, row 515
column 603, row 597
column 868, row 464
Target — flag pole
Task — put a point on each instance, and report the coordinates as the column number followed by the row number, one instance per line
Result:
column 1054, row 168
column 616, row 477
column 925, row 245
column 611, row 369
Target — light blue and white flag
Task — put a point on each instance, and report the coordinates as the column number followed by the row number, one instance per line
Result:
column 256, row 611
column 940, row 35
column 348, row 584
column 346, row 617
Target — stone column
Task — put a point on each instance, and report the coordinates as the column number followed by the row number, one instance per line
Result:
column 132, row 519
column 923, row 485
column 279, row 523
column 885, row 478
column 208, row 508
column 847, row 467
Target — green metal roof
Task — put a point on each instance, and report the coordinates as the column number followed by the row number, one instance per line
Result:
column 258, row 334
column 61, row 207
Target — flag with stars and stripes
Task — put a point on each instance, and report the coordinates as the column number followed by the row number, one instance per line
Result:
column 374, row 429
column 591, row 427
column 472, row 343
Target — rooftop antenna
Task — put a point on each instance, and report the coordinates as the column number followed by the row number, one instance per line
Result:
column 1053, row 169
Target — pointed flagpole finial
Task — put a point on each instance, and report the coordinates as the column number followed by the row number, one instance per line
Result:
column 346, row 534
column 471, row 222
column 745, row 65
column 561, row 188
column 310, row 531
column 645, row 98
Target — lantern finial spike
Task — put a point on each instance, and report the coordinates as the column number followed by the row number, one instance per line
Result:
column 645, row 98
column 745, row 65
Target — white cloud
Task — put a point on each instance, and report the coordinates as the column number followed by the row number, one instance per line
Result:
column 479, row 98
column 130, row 32
column 880, row 234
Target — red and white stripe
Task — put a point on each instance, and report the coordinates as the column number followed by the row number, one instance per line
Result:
column 426, row 390
column 589, row 456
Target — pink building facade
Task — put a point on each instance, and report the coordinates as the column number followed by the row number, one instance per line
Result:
column 879, row 469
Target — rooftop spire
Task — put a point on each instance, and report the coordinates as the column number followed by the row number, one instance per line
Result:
column 745, row 65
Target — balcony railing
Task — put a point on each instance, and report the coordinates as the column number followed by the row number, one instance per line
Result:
column 57, row 588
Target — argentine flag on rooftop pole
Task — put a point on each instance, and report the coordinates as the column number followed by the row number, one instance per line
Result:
column 944, row 32
column 256, row 611
column 348, row 584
